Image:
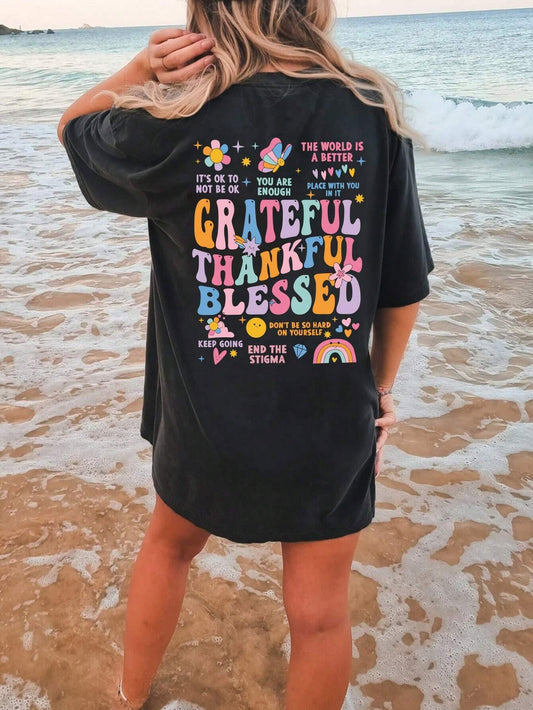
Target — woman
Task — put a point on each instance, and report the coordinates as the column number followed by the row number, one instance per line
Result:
column 278, row 182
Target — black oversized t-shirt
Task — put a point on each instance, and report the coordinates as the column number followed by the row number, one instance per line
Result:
column 280, row 217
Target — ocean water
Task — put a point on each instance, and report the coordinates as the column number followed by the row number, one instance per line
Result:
column 73, row 302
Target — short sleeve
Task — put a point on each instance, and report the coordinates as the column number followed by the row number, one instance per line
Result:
column 407, row 258
column 107, row 175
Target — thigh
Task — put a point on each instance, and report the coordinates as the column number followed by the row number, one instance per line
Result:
column 172, row 530
column 315, row 580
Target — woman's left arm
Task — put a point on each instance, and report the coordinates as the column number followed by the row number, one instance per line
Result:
column 138, row 71
column 190, row 53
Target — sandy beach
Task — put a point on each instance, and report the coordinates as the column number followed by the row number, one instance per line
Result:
column 440, row 587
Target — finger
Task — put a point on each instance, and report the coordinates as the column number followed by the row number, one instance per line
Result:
column 175, row 44
column 382, row 438
column 182, row 57
column 386, row 420
column 178, row 75
column 378, row 462
column 168, row 33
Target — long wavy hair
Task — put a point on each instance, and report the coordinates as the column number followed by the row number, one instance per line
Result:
column 251, row 34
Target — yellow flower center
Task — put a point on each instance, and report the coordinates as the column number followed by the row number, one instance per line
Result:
column 216, row 155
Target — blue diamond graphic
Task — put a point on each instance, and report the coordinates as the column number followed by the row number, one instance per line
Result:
column 299, row 350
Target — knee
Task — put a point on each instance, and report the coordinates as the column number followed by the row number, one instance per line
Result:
column 174, row 535
column 312, row 616
column 186, row 550
column 183, row 549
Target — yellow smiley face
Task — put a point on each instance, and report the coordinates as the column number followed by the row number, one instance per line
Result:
column 256, row 327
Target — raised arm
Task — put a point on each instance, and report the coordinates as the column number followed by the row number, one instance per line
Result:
column 172, row 55
column 137, row 71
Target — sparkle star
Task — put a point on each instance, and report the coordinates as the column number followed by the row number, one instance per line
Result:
column 246, row 182
column 310, row 194
column 201, row 320
column 197, row 160
column 298, row 170
column 201, row 358
column 301, row 247
column 246, row 162
column 360, row 161
column 197, row 145
column 334, row 319
column 251, row 247
column 242, row 319
column 359, row 198
column 237, row 146
column 255, row 145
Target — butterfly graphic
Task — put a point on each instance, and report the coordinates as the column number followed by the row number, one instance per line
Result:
column 274, row 156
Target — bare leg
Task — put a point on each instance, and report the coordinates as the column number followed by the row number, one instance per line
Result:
column 155, row 596
column 315, row 593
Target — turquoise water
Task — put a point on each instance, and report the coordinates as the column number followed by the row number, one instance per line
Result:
column 474, row 59
column 466, row 78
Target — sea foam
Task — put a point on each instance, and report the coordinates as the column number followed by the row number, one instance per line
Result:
column 462, row 124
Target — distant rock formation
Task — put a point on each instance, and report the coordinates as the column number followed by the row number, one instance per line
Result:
column 9, row 31
column 85, row 26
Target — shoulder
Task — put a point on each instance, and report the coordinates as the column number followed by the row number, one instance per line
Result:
column 137, row 132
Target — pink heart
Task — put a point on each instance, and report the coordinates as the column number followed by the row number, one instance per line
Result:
column 218, row 355
column 355, row 325
column 315, row 173
column 323, row 173
column 346, row 321
column 330, row 171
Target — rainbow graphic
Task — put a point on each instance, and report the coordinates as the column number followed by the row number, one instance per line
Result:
column 330, row 350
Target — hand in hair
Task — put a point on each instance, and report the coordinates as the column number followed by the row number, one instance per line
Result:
column 175, row 54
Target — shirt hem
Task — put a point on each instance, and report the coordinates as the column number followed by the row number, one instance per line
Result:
column 414, row 297
column 263, row 537
column 145, row 435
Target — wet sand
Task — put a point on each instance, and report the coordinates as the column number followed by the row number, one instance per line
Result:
column 440, row 588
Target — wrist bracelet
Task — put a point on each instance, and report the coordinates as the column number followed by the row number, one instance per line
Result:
column 381, row 391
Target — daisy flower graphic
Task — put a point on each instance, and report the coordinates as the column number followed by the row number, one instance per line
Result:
column 216, row 154
column 341, row 274
column 213, row 324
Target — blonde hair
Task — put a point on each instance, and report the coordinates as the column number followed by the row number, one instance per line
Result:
column 251, row 34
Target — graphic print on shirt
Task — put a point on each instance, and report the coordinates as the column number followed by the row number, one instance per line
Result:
column 276, row 250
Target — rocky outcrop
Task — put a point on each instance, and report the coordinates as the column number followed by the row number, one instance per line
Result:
column 4, row 30
column 9, row 31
